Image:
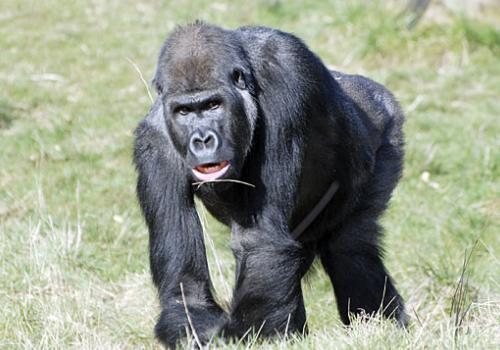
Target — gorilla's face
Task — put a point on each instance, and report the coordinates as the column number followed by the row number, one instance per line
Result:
column 207, row 90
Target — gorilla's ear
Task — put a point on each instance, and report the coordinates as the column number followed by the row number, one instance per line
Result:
column 239, row 79
column 158, row 82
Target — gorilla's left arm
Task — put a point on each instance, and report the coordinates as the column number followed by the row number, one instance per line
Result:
column 268, row 294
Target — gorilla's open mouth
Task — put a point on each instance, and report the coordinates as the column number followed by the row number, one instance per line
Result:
column 211, row 171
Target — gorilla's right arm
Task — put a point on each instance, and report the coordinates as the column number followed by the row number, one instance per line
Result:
column 177, row 251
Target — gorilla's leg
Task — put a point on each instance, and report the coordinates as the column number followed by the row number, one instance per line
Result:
column 352, row 259
column 268, row 296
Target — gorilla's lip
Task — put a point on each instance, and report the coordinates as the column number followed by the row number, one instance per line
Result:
column 211, row 171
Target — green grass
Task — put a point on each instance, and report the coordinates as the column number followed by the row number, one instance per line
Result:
column 73, row 246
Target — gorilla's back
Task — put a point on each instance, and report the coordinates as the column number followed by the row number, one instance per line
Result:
column 380, row 112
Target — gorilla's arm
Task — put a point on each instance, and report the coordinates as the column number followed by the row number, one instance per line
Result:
column 268, row 294
column 177, row 252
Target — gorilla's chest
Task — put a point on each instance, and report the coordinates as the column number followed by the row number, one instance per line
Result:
column 223, row 202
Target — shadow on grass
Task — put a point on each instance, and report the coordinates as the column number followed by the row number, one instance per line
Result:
column 7, row 114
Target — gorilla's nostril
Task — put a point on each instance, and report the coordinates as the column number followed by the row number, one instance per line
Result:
column 197, row 142
column 209, row 141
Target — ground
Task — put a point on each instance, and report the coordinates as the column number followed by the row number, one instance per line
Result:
column 73, row 245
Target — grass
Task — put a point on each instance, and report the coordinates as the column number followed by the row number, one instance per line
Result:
column 73, row 246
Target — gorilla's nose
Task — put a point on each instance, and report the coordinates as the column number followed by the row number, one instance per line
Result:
column 203, row 143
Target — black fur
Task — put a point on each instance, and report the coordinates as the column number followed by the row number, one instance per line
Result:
column 290, row 127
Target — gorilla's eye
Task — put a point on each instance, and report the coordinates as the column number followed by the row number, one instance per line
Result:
column 239, row 79
column 212, row 105
column 182, row 110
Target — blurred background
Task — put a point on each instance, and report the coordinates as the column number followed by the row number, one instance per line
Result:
column 73, row 246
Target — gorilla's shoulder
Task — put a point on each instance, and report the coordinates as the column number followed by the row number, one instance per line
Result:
column 151, row 133
column 257, row 31
column 153, row 121
column 280, row 56
column 259, row 36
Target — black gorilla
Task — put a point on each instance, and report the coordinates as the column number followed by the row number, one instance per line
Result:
column 257, row 106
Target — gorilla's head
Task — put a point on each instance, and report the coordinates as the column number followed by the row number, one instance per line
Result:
column 205, row 82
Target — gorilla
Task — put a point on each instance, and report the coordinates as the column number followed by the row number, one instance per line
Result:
column 299, row 161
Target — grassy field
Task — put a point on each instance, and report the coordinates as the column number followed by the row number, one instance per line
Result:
column 73, row 246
